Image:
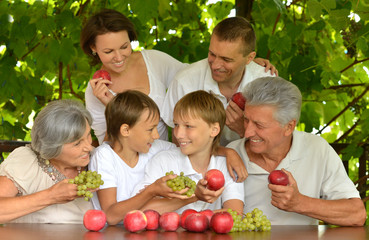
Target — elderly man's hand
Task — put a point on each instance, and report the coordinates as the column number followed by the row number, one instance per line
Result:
column 286, row 197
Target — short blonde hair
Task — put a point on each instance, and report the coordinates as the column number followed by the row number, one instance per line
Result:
column 201, row 104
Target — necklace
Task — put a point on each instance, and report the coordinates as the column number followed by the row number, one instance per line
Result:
column 49, row 168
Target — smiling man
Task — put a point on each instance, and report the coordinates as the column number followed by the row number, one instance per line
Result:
column 318, row 189
column 228, row 68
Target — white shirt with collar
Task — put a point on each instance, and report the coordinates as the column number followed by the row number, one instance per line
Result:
column 174, row 160
column 316, row 167
column 197, row 76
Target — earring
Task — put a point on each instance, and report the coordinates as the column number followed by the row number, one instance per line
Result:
column 94, row 53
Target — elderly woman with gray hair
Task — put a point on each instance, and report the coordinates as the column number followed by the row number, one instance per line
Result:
column 34, row 179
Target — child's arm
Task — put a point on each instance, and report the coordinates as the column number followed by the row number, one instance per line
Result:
column 115, row 211
column 234, row 163
column 163, row 205
column 234, row 204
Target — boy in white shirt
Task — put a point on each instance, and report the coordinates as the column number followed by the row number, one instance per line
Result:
column 199, row 118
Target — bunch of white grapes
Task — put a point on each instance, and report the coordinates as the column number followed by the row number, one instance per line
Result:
column 85, row 181
column 252, row 221
column 181, row 182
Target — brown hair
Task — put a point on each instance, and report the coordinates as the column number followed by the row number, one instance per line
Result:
column 127, row 108
column 106, row 21
column 201, row 104
column 233, row 28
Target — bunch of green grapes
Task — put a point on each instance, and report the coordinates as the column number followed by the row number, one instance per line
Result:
column 181, row 182
column 87, row 180
column 252, row 221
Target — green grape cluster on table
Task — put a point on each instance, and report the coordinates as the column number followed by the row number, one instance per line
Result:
column 87, row 180
column 181, row 182
column 252, row 221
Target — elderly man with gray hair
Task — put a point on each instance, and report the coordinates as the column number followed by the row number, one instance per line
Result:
column 318, row 189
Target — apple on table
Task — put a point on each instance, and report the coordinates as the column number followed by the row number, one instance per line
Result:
column 169, row 221
column 94, row 220
column 197, row 222
column 135, row 221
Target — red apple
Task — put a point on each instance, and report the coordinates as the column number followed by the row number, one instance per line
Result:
column 239, row 99
column 215, row 179
column 94, row 220
column 208, row 213
column 278, row 177
column 101, row 74
column 197, row 222
column 152, row 217
column 184, row 214
column 135, row 221
column 221, row 222
column 169, row 221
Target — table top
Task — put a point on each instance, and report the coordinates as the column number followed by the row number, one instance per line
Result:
column 35, row 231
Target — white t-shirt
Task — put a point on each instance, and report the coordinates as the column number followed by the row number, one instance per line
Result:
column 174, row 160
column 197, row 76
column 161, row 69
column 117, row 174
column 317, row 169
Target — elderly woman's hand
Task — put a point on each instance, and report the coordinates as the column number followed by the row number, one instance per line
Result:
column 63, row 192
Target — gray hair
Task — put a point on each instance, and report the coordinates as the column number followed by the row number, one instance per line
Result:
column 60, row 122
column 278, row 92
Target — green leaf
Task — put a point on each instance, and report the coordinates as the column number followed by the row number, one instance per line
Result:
column 339, row 18
column 314, row 9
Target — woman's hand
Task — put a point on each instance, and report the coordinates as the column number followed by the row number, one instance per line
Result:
column 101, row 90
column 63, row 192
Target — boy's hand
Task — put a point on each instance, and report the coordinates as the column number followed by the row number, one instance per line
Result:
column 206, row 195
column 160, row 188
column 234, row 164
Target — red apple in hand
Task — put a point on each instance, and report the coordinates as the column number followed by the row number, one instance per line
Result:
column 152, row 217
column 221, row 222
column 208, row 213
column 169, row 221
column 197, row 222
column 215, row 179
column 101, row 74
column 94, row 220
column 135, row 221
column 239, row 99
column 184, row 215
column 278, row 177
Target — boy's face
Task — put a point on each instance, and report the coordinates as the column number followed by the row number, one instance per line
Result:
column 194, row 135
column 143, row 133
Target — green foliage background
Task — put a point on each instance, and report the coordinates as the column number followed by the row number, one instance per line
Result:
column 317, row 44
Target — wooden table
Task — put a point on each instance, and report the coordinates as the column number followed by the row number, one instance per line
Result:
column 76, row 231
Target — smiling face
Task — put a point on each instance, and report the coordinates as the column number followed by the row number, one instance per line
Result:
column 141, row 136
column 113, row 49
column 227, row 61
column 77, row 153
column 265, row 134
column 194, row 135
